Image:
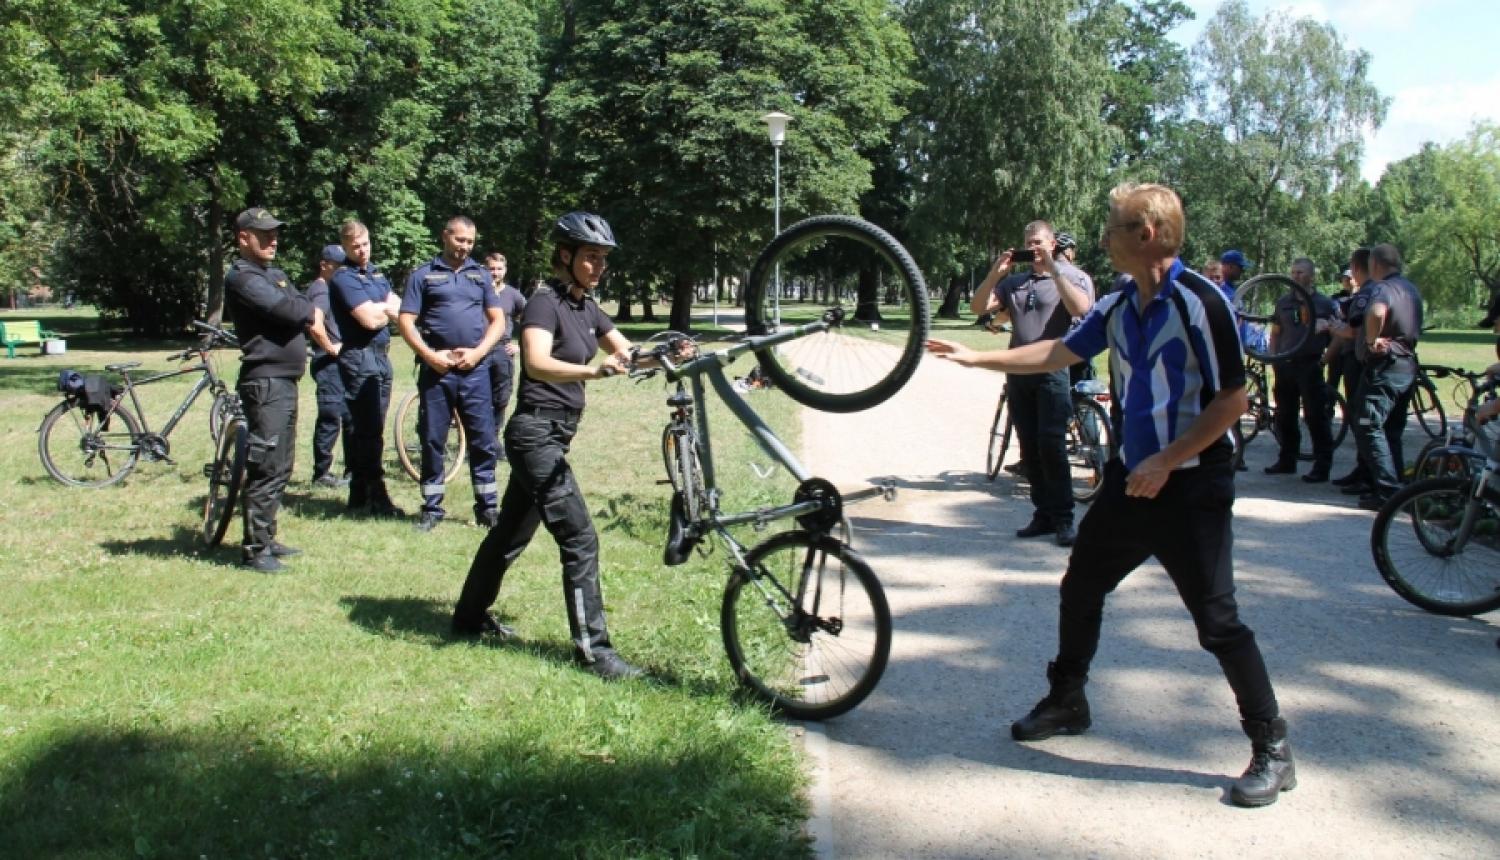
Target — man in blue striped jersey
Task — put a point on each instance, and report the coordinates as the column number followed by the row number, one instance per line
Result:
column 1176, row 365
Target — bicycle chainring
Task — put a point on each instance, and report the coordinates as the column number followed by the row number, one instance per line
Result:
column 155, row 446
column 827, row 517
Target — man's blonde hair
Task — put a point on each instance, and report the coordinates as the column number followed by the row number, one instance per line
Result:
column 1156, row 205
column 351, row 229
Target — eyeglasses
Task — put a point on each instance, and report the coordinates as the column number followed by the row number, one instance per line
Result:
column 1110, row 228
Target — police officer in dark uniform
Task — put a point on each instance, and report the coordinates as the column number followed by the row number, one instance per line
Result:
column 502, row 360
column 452, row 320
column 270, row 317
column 1388, row 347
column 1299, row 379
column 363, row 307
column 563, row 330
column 334, row 423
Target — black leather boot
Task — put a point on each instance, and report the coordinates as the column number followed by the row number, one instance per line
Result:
column 1271, row 770
column 1063, row 711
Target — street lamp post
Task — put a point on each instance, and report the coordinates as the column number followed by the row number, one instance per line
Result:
column 776, row 124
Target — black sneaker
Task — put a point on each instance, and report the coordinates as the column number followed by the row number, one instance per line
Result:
column 1066, row 534
column 263, row 563
column 328, row 479
column 611, row 666
column 487, row 627
column 1281, row 469
column 281, row 550
column 1373, row 501
column 1039, row 525
column 427, row 522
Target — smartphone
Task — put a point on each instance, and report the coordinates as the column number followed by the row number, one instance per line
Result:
column 1022, row 255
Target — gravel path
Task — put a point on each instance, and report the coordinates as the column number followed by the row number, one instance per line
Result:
column 1392, row 710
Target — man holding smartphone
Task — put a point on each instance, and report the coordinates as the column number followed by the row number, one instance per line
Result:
column 1040, row 305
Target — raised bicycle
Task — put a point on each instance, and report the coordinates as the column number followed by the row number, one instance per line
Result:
column 1257, row 304
column 94, row 445
column 836, row 313
column 1437, row 541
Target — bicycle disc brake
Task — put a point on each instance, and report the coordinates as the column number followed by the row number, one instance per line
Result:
column 826, row 517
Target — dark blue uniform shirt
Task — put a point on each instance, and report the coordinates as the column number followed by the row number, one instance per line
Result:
column 450, row 304
column 352, row 287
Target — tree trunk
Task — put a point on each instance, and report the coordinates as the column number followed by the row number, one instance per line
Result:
column 213, row 306
column 948, row 310
column 867, row 302
column 682, row 303
column 624, row 314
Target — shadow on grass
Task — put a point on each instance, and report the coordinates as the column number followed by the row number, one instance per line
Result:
column 93, row 792
column 183, row 542
column 428, row 620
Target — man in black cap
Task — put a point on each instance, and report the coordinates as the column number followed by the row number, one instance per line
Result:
column 270, row 317
column 334, row 422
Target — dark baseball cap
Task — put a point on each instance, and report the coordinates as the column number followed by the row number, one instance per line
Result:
column 257, row 218
column 333, row 254
column 1236, row 258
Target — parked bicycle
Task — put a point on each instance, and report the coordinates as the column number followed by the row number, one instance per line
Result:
column 84, row 443
column 408, row 442
column 1088, row 440
column 226, row 472
column 1453, row 453
column 1427, row 403
column 804, row 619
column 1437, row 541
column 1260, row 414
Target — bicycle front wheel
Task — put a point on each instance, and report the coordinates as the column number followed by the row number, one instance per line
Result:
column 1257, row 414
column 685, row 470
column 806, row 625
column 226, row 475
column 1259, row 302
column 219, row 412
column 1088, row 442
column 409, row 440
column 1428, row 407
column 999, row 439
column 80, row 448
column 859, row 280
column 1439, row 547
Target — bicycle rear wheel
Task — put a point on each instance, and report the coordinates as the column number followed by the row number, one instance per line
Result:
column 1431, row 553
column 226, row 476
column 999, row 439
column 1428, row 407
column 858, row 279
column 1257, row 413
column 219, row 412
column 409, row 442
column 1257, row 304
column 82, row 449
column 806, row 625
column 1088, row 442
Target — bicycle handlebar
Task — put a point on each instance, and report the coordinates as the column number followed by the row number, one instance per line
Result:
column 213, row 338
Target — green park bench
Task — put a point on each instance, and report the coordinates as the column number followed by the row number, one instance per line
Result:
column 14, row 333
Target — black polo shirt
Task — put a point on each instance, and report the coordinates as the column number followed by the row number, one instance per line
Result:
column 576, row 326
column 270, row 320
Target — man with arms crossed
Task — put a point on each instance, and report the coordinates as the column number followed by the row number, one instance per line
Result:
column 1176, row 362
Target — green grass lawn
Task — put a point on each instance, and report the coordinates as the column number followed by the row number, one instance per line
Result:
column 157, row 701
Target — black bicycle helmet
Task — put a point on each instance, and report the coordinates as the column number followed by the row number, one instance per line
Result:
column 1066, row 241
column 583, row 228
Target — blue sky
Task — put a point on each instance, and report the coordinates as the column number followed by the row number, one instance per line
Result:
column 1435, row 59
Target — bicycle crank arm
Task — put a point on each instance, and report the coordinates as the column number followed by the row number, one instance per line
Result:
column 885, row 489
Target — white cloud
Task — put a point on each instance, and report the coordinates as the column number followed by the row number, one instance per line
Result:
column 1437, row 113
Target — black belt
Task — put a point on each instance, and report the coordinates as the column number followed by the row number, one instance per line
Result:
column 551, row 413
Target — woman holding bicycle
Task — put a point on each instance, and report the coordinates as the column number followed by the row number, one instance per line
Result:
column 563, row 330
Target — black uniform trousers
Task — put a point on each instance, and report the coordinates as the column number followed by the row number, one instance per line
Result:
column 1300, row 388
column 334, row 423
column 270, row 405
column 542, row 491
column 1040, row 405
column 1186, row 527
column 367, row 377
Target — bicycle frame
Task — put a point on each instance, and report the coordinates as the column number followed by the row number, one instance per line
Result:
column 711, row 365
column 208, row 380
